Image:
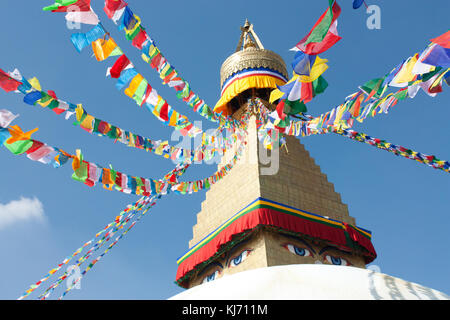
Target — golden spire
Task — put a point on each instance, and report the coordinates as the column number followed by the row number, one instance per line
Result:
column 247, row 33
column 250, row 53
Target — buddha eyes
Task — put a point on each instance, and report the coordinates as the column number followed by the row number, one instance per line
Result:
column 303, row 252
column 213, row 276
column 238, row 259
column 337, row 261
column 297, row 250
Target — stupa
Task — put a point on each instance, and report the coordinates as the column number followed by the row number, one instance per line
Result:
column 274, row 227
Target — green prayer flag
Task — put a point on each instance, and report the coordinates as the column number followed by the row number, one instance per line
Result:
column 320, row 30
column 133, row 35
column 59, row 3
column 81, row 173
column 319, row 85
column 20, row 146
column 140, row 92
column 294, row 107
column 54, row 104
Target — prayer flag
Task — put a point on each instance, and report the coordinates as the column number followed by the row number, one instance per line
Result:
column 324, row 34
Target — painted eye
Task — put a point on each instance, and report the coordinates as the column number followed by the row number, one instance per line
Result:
column 302, row 252
column 337, row 261
column 238, row 259
column 213, row 276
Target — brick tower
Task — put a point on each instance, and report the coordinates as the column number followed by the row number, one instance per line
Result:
column 273, row 208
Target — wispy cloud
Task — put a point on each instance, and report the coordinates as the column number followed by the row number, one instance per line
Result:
column 22, row 210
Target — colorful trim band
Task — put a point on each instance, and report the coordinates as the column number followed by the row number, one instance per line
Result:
column 270, row 213
column 251, row 72
column 258, row 79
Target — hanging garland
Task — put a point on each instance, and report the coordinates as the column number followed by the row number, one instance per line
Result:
column 267, row 131
column 49, row 290
column 210, row 147
column 19, row 142
column 425, row 71
column 121, row 14
column 429, row 160
column 139, row 205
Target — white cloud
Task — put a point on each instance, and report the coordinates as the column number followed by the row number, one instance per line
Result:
column 22, row 210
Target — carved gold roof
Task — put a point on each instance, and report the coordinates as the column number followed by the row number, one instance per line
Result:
column 251, row 54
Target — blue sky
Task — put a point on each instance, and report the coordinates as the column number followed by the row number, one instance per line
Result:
column 405, row 204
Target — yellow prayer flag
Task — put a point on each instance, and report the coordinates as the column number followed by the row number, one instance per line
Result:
column 35, row 83
column 18, row 135
column 136, row 25
column 77, row 160
column 173, row 119
column 87, row 122
column 317, row 69
column 405, row 74
column 103, row 48
column 79, row 112
column 134, row 84
column 46, row 103
column 275, row 95
column 438, row 79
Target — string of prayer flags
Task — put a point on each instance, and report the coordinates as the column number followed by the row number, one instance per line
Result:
column 293, row 97
column 96, row 260
column 147, row 204
column 20, row 142
column 324, row 33
column 210, row 147
column 138, row 205
column 143, row 205
column 121, row 14
column 138, row 87
column 371, row 99
column 204, row 184
column 429, row 160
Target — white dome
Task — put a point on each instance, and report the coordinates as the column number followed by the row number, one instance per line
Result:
column 309, row 282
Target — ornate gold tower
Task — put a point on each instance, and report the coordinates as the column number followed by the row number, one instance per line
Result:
column 273, row 208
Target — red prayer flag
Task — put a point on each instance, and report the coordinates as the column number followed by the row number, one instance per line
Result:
column 443, row 40
column 111, row 6
column 331, row 37
column 121, row 63
column 8, row 83
column 148, row 90
column 36, row 145
column 139, row 40
column 155, row 61
column 280, row 110
column 83, row 5
column 164, row 113
column 307, row 92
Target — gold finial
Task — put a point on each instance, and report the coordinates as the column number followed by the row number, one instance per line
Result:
column 247, row 33
column 250, row 53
